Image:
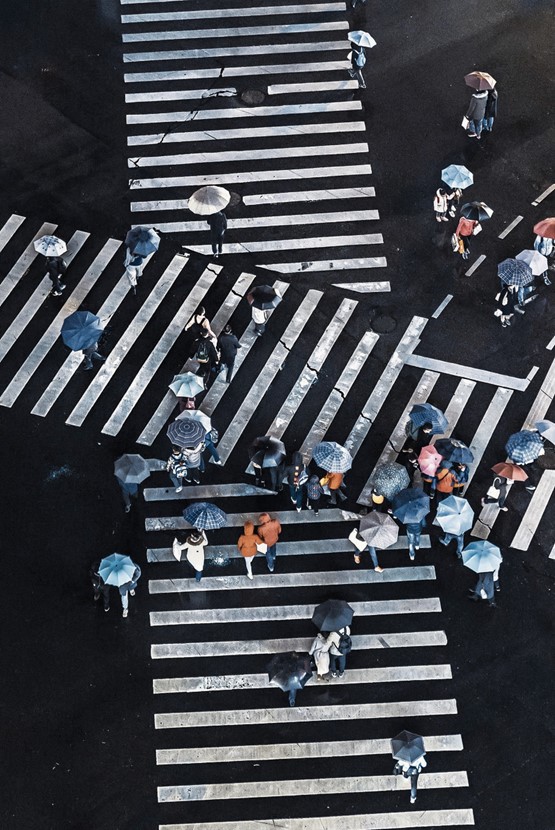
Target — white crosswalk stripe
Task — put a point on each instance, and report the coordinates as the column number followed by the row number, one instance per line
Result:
column 368, row 821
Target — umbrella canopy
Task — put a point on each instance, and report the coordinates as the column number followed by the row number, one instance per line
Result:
column 454, row 451
column 546, row 228
column 142, row 241
column 209, row 199
column 524, row 447
column 481, row 557
column 186, row 385
column 362, row 39
column 389, row 479
column 425, row 413
column 131, row 468
column 205, row 516
column 476, row 211
column 537, row 262
column 411, row 505
column 454, row 515
column 289, row 671
column 267, row 451
column 547, row 430
column 407, row 746
column 515, row 272
column 265, row 297
column 332, row 615
column 480, row 80
column 116, row 569
column 186, row 432
column 50, row 246
column 379, row 530
column 510, row 471
column 429, row 460
column 332, row 457
column 81, row 330
column 457, row 175
column 198, row 416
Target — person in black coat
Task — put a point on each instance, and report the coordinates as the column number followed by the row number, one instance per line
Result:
column 491, row 110
column 228, row 346
column 206, row 355
column 56, row 268
column 218, row 227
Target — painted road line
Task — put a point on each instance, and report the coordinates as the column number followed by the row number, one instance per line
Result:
column 475, row 265
column 242, row 112
column 52, row 333
column 203, row 491
column 230, row 682
column 242, row 31
column 551, row 344
column 311, row 195
column 456, row 406
column 248, row 155
column 180, row 95
column 368, row 821
column 317, row 242
column 552, row 554
column 305, row 714
column 399, row 435
column 365, row 287
column 256, row 392
column 301, row 580
column 544, row 195
column 168, row 403
column 290, row 219
column 309, row 375
column 239, row 519
column 339, row 393
column 253, row 132
column 236, row 71
column 153, row 362
column 510, row 227
column 240, row 51
column 255, row 176
column 225, row 14
column 320, row 86
column 297, row 751
column 385, row 384
column 427, row 605
column 311, row 266
column 37, row 298
column 535, row 511
column 442, row 306
column 479, row 375
column 23, row 263
column 122, row 347
column 14, row 222
column 486, row 427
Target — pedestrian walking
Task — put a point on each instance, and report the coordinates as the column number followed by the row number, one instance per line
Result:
column 460, row 471
column 506, row 303
column 340, row 645
column 130, row 471
column 198, row 322
column 441, row 203
column 497, row 493
column 193, row 546
column 358, row 62
column 454, row 199
column 269, row 530
column 128, row 589
column 314, row 492
column 476, row 112
column 91, row 353
column 206, row 357
column 417, row 437
column 297, row 478
column 134, row 266
column 336, row 486
column 465, row 229
column 411, row 770
column 445, row 481
column 447, row 538
column 176, row 466
column 484, row 589
column 320, row 653
column 545, row 246
column 414, row 530
column 99, row 586
column 490, row 113
column 249, row 544
column 218, row 227
column 210, row 441
column 260, row 318
column 129, row 490
column 262, row 300
column 194, row 462
column 56, row 268
column 361, row 545
column 228, row 345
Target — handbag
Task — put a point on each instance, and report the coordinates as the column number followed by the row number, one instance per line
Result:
column 477, row 229
column 464, row 123
column 493, row 492
column 360, row 544
column 455, row 243
column 262, row 547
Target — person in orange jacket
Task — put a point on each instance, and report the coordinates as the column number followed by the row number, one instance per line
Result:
column 248, row 545
column 445, row 482
column 335, row 485
column 269, row 530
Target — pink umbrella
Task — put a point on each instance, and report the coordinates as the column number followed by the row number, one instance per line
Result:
column 429, row 460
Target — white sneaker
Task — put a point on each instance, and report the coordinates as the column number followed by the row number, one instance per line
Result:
column 178, row 489
column 132, row 593
column 125, row 612
column 250, row 576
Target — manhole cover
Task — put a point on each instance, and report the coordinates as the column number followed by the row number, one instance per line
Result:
column 384, row 324
column 235, row 199
column 252, row 97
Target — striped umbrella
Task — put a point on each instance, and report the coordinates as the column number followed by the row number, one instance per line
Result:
column 205, row 516
column 186, row 432
column 332, row 457
column 515, row 272
column 524, row 447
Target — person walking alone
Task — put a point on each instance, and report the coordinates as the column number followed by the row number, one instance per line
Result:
column 411, row 770
column 269, row 530
column 91, row 353
column 128, row 589
column 194, row 546
column 297, row 477
column 497, row 493
column 228, row 345
column 56, row 268
column 248, row 545
column 358, row 62
column 218, row 227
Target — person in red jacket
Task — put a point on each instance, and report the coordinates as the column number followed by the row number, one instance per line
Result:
column 465, row 229
column 269, row 530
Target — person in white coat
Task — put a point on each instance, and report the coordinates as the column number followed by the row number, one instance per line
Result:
column 412, row 771
column 441, row 203
column 320, row 650
column 194, row 546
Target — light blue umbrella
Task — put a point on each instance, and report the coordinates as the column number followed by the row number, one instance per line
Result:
column 457, row 175
column 116, row 569
column 547, row 430
column 205, row 516
column 454, row 515
column 524, row 447
column 81, row 330
column 482, row 557
column 411, row 505
column 332, row 457
column 426, row 413
column 186, row 385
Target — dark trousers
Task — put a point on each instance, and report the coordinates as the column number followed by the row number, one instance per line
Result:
column 315, row 503
column 227, row 364
column 217, row 241
column 338, row 662
column 105, row 591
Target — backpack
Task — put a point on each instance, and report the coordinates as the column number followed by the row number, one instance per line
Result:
column 203, row 353
column 360, row 59
column 345, row 644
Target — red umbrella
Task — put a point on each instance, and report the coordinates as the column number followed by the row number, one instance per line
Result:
column 480, row 80
column 429, row 460
column 546, row 228
column 508, row 470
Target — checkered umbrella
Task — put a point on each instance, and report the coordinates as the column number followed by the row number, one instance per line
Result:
column 537, row 262
column 205, row 516
column 454, row 451
column 332, row 457
column 515, row 272
column 389, row 479
column 411, row 505
column 131, row 468
column 379, row 530
column 457, row 175
column 425, row 413
column 482, row 557
column 524, row 447
column 186, row 432
column 454, row 515
column 547, row 430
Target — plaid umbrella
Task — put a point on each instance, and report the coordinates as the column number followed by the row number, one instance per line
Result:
column 204, row 516
column 389, row 479
column 50, row 246
column 480, row 80
column 208, row 200
column 142, row 241
column 454, row 451
column 546, row 228
column 429, row 460
column 537, row 262
column 379, row 530
column 407, row 746
column 547, row 430
column 457, row 175
column 454, row 515
column 131, row 469
column 186, row 385
column 116, row 569
column 332, row 615
column 264, row 297
column 186, row 432
column 332, row 457
column 476, row 211
column 411, row 505
column 511, row 471
column 289, row 671
column 267, row 451
column 482, row 557
column 515, row 272
column 81, row 330
column 425, row 413
column 524, row 447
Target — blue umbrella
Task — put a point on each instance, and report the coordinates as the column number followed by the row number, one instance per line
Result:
column 389, row 479
column 142, row 241
column 454, row 451
column 454, row 515
column 116, row 569
column 131, row 469
column 411, row 505
column 524, row 447
column 457, row 175
column 482, row 557
column 186, row 385
column 186, row 432
column 205, row 516
column 81, row 330
column 332, row 457
column 425, row 413
column 515, row 272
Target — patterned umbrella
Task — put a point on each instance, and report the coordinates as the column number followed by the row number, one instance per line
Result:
column 50, row 246
column 332, row 615
column 476, row 211
column 131, row 469
column 511, row 471
column 208, row 200
column 429, row 460
column 332, row 457
column 547, row 430
column 454, row 451
column 482, row 557
column 379, row 530
column 362, row 39
column 537, row 262
column 116, row 569
column 267, row 451
column 186, row 432
column 454, row 515
column 546, row 228
column 457, row 175
column 425, row 413
column 411, row 505
column 142, row 241
column 186, row 385
column 389, row 479
column 81, row 330
column 515, row 272
column 289, row 671
column 407, row 746
column 524, row 447
column 204, row 516
column 480, row 80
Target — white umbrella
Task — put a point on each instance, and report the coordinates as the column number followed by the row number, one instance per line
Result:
column 536, row 262
column 209, row 199
column 198, row 416
column 50, row 246
column 362, row 39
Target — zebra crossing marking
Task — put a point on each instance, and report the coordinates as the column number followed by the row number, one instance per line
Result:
column 455, row 407
column 534, row 512
column 179, row 95
column 243, row 112
column 544, row 195
column 252, row 176
column 510, row 227
column 318, row 86
column 291, row 219
column 236, row 31
column 475, row 265
column 442, row 306
column 286, row 244
column 245, row 132
column 239, row 519
column 202, row 491
column 24, row 262
column 247, row 155
column 235, row 71
column 311, row 266
column 9, row 228
column 368, row 821
column 486, row 427
column 552, row 554
column 367, row 287
column 231, row 51
column 311, row 195
column 469, row 372
column 225, row 14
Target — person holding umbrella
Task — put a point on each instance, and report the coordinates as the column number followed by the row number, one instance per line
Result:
column 186, row 387
column 263, row 299
column 506, row 303
column 218, row 226
column 194, row 546
column 490, row 113
column 359, row 40
column 537, row 263
column 267, row 455
column 297, row 478
column 80, row 332
column 210, row 201
column 484, row 559
column 211, row 436
column 408, row 750
column 376, row 530
column 524, row 448
column 314, row 492
column 411, row 507
column 389, row 479
column 291, row 672
column 516, row 272
column 335, row 616
column 480, row 82
column 130, row 471
column 123, row 573
column 454, row 516
column 52, row 247
column 335, row 460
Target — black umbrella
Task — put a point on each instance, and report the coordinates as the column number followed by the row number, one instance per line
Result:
column 407, row 746
column 264, row 296
column 289, row 671
column 332, row 615
column 476, row 211
column 267, row 451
